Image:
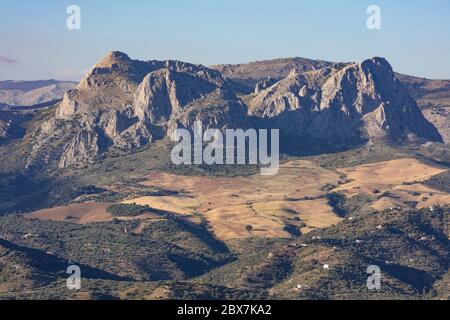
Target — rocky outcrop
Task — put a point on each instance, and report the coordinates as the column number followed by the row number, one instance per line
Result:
column 5, row 125
column 83, row 148
column 344, row 102
column 10, row 126
column 4, row 130
column 220, row 110
column 264, row 84
column 431, row 95
column 126, row 104
column 166, row 92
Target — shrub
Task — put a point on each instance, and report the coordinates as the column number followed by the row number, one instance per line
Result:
column 127, row 210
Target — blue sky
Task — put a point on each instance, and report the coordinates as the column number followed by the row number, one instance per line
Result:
column 35, row 43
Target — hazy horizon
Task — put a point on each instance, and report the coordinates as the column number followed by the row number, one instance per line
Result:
column 36, row 44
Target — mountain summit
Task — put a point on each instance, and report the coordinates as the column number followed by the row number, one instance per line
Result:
column 343, row 102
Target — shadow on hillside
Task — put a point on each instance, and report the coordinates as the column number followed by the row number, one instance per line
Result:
column 48, row 263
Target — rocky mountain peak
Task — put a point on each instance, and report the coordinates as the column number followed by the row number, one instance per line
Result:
column 376, row 62
column 125, row 103
column 113, row 58
column 344, row 102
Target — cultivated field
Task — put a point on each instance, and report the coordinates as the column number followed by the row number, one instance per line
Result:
column 83, row 213
column 179, row 204
column 75, row 213
column 252, row 206
column 396, row 182
column 280, row 206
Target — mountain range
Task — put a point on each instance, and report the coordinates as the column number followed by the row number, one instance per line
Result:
column 16, row 94
column 125, row 104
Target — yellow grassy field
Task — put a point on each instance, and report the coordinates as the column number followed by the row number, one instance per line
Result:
column 382, row 175
column 175, row 204
column 400, row 178
column 230, row 222
column 423, row 195
column 315, row 213
column 231, row 204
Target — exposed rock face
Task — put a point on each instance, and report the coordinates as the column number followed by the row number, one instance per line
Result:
column 220, row 110
column 4, row 129
column 110, row 84
column 165, row 92
column 264, row 84
column 126, row 104
column 5, row 124
column 9, row 126
column 83, row 148
column 344, row 102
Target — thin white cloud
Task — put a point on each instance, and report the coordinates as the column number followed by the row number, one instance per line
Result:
column 7, row 60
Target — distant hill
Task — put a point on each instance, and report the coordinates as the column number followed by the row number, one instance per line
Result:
column 423, row 87
column 433, row 97
column 17, row 96
column 29, row 93
column 253, row 72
